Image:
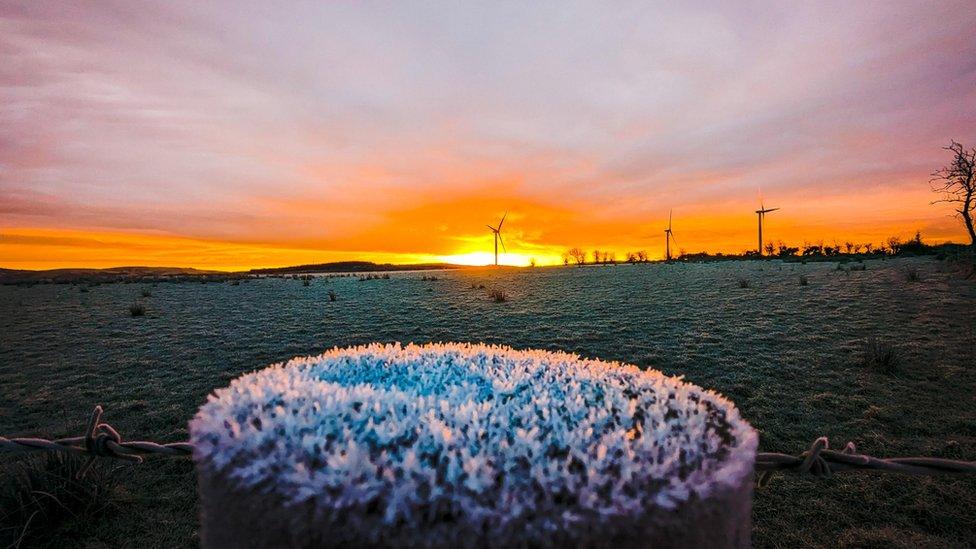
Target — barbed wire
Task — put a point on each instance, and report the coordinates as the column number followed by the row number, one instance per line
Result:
column 103, row 440
column 100, row 440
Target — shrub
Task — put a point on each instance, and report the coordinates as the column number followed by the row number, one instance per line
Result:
column 803, row 280
column 880, row 356
column 332, row 295
column 146, row 292
column 912, row 275
column 137, row 309
column 742, row 282
column 498, row 295
column 40, row 491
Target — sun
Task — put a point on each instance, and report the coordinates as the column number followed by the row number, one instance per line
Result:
column 488, row 258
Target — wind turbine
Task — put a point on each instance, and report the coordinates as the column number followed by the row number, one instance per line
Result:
column 498, row 236
column 668, row 235
column 761, row 212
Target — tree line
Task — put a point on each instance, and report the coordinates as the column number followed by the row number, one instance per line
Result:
column 892, row 246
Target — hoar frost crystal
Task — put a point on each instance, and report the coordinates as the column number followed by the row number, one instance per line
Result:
column 470, row 445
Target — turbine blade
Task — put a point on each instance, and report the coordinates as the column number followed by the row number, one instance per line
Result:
column 502, row 241
column 673, row 238
column 772, row 209
column 502, row 221
column 669, row 218
column 494, row 230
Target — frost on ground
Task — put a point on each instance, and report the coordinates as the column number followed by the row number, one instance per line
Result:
column 485, row 437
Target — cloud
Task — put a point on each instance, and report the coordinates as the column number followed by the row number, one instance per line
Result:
column 331, row 124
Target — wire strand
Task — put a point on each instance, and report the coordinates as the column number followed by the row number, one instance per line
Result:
column 102, row 440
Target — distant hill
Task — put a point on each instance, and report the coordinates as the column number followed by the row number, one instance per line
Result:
column 17, row 276
column 354, row 267
column 10, row 276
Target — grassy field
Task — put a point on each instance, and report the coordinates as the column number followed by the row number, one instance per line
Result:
column 789, row 354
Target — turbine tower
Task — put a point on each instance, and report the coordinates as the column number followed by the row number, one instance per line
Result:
column 761, row 213
column 498, row 236
column 668, row 235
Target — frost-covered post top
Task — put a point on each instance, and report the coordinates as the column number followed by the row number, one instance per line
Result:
column 385, row 442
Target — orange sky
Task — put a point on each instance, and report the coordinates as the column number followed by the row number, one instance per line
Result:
column 194, row 135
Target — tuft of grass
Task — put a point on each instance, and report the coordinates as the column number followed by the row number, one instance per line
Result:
column 332, row 295
column 912, row 274
column 146, row 292
column 498, row 295
column 137, row 309
column 41, row 494
column 743, row 282
column 880, row 356
column 804, row 281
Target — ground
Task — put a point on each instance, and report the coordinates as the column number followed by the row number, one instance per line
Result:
column 788, row 354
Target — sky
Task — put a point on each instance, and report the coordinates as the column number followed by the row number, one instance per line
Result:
column 231, row 135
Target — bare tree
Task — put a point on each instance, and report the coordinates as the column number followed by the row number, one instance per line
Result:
column 957, row 182
column 577, row 255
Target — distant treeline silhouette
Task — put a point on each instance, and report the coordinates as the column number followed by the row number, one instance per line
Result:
column 893, row 246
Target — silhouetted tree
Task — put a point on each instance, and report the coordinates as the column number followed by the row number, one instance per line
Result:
column 894, row 243
column 642, row 256
column 786, row 251
column 957, row 183
column 577, row 255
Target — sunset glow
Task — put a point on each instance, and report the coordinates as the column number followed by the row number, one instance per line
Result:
column 237, row 136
